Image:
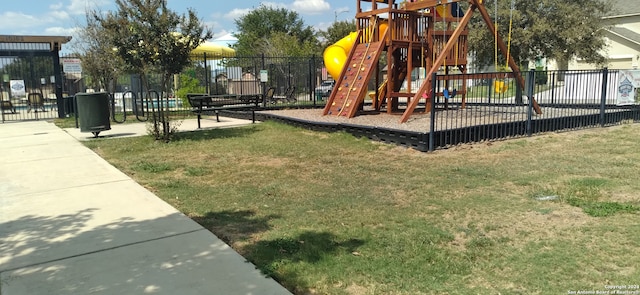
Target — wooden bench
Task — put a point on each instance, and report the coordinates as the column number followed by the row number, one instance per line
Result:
column 201, row 103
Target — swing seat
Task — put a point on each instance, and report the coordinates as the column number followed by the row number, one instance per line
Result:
column 426, row 95
column 448, row 94
column 500, row 86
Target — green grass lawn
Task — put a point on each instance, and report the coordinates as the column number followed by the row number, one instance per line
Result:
column 327, row 213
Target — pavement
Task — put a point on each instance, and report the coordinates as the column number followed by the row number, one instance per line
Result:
column 70, row 223
column 140, row 128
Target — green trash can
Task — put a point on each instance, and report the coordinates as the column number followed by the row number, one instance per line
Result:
column 93, row 112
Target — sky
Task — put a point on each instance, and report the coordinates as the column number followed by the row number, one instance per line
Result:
column 63, row 17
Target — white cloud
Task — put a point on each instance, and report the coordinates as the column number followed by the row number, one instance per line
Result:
column 224, row 38
column 214, row 21
column 342, row 9
column 60, row 31
column 237, row 13
column 301, row 6
column 212, row 25
column 16, row 21
column 81, row 6
column 240, row 12
column 56, row 6
column 311, row 6
column 273, row 4
column 323, row 26
column 58, row 15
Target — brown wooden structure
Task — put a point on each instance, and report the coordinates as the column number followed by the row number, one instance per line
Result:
column 429, row 34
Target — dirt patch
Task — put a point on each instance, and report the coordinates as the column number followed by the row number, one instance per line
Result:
column 459, row 241
column 316, row 134
column 625, row 198
column 271, row 162
column 519, row 228
column 354, row 289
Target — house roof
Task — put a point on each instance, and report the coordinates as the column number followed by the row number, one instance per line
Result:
column 625, row 7
column 626, row 33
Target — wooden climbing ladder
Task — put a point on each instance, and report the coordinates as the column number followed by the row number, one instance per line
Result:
column 351, row 87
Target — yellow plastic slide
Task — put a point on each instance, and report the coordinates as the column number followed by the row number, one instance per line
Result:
column 335, row 56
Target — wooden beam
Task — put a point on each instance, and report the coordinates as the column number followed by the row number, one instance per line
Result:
column 55, row 42
column 440, row 60
column 371, row 13
column 413, row 6
column 34, row 39
column 342, row 73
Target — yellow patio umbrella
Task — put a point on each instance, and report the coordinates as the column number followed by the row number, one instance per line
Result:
column 212, row 50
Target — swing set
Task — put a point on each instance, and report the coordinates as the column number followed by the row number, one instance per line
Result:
column 442, row 13
column 442, row 9
column 428, row 34
column 501, row 86
column 449, row 45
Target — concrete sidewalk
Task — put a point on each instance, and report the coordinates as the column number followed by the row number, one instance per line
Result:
column 70, row 223
column 140, row 128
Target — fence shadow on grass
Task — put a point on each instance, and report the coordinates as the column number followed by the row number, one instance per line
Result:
column 208, row 134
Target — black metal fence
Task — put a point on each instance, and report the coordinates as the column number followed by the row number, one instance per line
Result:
column 497, row 108
column 293, row 80
column 466, row 108
column 494, row 105
column 254, row 75
column 27, row 88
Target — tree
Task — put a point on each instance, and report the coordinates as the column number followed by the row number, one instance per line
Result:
column 551, row 29
column 337, row 31
column 99, row 61
column 151, row 38
column 571, row 29
column 264, row 29
column 281, row 44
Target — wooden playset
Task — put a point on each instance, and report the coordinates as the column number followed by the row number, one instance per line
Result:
column 427, row 34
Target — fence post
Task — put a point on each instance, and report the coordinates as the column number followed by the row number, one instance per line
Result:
column 206, row 75
column 490, row 89
column 603, row 95
column 553, row 88
column 57, row 70
column 432, row 112
column 264, row 84
column 75, row 110
column 519, row 91
column 312, row 78
column 531, row 81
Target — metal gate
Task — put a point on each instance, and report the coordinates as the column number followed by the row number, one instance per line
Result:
column 31, row 78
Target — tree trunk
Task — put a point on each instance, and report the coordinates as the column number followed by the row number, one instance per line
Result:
column 166, row 128
column 563, row 66
column 156, row 129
